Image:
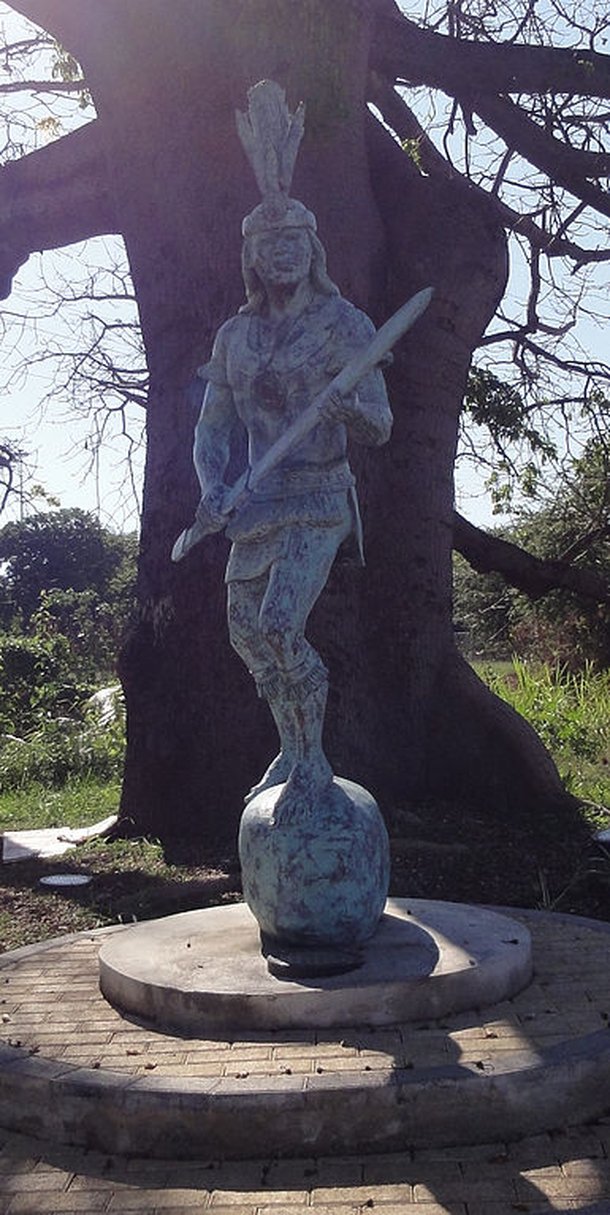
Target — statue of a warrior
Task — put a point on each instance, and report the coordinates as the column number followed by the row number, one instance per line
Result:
column 290, row 339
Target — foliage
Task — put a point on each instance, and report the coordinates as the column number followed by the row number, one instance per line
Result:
column 482, row 612
column 573, row 525
column 67, row 590
column 38, row 678
column 560, row 629
column 60, row 750
column 571, row 713
column 501, row 407
column 91, row 626
column 70, row 583
column 60, row 550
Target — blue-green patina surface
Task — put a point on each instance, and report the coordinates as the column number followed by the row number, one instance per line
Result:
column 321, row 879
column 314, row 849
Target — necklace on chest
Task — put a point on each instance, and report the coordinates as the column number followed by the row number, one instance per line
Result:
column 283, row 349
column 271, row 342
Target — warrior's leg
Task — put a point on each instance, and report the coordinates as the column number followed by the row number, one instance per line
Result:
column 244, row 604
column 294, row 585
column 308, row 693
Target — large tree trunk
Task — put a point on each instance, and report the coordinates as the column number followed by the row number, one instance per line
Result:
column 197, row 736
column 404, row 716
column 450, row 737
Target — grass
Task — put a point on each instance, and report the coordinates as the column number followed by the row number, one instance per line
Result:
column 61, row 750
column 78, row 804
column 571, row 713
column 47, row 782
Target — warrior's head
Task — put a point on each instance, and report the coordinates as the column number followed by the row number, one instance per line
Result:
column 286, row 250
column 280, row 239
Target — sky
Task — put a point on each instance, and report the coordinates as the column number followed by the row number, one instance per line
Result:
column 39, row 411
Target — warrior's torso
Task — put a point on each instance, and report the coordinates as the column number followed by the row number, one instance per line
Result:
column 276, row 370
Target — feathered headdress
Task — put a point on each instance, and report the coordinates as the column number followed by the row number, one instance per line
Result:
column 271, row 136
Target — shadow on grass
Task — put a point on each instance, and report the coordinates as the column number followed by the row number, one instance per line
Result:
column 128, row 882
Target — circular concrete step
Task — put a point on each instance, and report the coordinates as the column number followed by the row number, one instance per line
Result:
column 75, row 1070
column 203, row 971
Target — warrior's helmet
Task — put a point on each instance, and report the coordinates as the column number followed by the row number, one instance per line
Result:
column 271, row 137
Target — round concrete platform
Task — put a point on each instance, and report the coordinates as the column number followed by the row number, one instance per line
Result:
column 74, row 1070
column 203, row 971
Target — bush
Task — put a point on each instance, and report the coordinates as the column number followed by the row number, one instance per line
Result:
column 571, row 713
column 37, row 680
column 61, row 750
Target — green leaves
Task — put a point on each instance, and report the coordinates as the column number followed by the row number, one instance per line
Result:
column 571, row 713
column 499, row 406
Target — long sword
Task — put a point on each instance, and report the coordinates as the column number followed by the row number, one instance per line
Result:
column 347, row 379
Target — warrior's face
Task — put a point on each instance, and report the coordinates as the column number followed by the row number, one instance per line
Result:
column 282, row 257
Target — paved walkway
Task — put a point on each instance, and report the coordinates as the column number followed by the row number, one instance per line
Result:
column 559, row 1172
column 50, row 1007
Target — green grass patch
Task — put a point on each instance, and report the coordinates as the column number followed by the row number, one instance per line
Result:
column 61, row 750
column 78, row 804
column 570, row 712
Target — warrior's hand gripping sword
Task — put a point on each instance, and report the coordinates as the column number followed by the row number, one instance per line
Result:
column 343, row 383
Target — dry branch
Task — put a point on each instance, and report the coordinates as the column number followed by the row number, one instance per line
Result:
column 535, row 576
column 403, row 122
column 53, row 197
column 568, row 167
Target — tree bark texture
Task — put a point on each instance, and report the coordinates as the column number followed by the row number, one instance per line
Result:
column 405, row 717
column 461, row 66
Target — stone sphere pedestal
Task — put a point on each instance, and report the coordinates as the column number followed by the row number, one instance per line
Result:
column 315, row 877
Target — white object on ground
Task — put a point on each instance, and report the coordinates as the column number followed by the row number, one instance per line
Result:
column 80, row 835
column 106, row 703
column 65, row 879
column 50, row 841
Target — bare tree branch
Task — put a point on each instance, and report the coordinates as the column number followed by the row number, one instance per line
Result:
column 53, row 197
column 568, row 167
column 403, row 122
column 10, row 458
column 405, row 52
column 534, row 576
column 43, row 86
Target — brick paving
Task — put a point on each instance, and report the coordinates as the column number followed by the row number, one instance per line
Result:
column 50, row 1005
column 560, row 1172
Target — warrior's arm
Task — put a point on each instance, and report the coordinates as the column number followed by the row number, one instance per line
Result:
column 366, row 412
column 212, row 442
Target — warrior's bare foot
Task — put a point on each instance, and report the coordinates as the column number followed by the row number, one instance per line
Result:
column 306, row 781
column 278, row 771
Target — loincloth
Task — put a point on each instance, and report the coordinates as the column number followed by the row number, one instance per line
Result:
column 263, row 531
